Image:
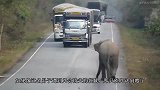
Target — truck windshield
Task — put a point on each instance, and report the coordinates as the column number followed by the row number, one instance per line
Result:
column 75, row 25
column 58, row 19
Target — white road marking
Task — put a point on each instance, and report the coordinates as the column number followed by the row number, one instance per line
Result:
column 116, row 86
column 113, row 41
column 27, row 60
column 2, row 76
column 112, row 32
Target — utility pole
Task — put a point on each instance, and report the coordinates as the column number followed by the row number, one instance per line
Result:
column 1, row 31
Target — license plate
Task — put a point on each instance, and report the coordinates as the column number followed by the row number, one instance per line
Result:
column 76, row 13
column 75, row 38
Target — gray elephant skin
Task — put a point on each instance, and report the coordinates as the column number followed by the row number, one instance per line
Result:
column 108, row 58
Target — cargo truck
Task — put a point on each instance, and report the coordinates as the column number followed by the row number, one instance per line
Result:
column 101, row 5
column 77, row 26
column 97, row 21
column 57, row 19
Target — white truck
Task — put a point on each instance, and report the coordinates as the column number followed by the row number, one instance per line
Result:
column 77, row 26
column 57, row 19
column 97, row 21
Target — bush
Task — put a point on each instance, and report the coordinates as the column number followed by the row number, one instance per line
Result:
column 154, row 27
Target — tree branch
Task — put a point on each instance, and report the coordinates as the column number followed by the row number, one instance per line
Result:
column 1, row 31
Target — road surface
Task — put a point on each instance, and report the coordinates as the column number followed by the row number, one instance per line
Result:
column 49, row 59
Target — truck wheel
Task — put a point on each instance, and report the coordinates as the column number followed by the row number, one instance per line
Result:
column 55, row 40
column 86, row 44
column 89, row 42
column 65, row 44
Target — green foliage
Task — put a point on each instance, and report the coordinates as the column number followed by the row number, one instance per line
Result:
column 59, row 1
column 135, row 15
column 135, row 12
column 15, row 14
column 23, row 11
column 154, row 27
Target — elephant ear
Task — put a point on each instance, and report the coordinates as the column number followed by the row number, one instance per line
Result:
column 100, row 42
column 97, row 45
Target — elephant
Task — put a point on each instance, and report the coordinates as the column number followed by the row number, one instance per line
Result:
column 108, row 58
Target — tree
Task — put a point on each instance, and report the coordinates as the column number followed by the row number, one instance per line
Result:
column 1, row 31
column 3, row 14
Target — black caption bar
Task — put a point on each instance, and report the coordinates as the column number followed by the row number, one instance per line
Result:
column 77, row 80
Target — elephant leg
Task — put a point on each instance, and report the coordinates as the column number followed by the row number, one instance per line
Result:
column 103, row 72
column 113, row 71
column 108, row 71
column 99, row 70
column 113, row 67
column 112, row 75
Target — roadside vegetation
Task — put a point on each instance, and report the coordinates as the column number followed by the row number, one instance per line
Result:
column 142, row 57
column 22, row 23
column 140, row 33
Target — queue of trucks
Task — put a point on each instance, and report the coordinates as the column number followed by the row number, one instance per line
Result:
column 74, row 24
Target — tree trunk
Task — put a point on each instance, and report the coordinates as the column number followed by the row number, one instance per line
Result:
column 1, row 31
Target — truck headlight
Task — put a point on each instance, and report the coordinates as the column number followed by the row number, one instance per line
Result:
column 66, row 35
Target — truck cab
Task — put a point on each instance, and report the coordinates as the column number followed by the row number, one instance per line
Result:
column 75, row 32
column 57, row 19
column 58, row 31
column 77, row 27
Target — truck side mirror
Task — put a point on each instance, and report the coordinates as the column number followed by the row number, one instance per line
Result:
column 88, row 23
column 52, row 19
column 63, row 23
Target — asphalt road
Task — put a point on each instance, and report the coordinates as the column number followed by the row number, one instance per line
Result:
column 49, row 59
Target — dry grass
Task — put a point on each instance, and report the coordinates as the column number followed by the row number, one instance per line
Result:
column 143, row 58
column 9, row 57
column 13, row 51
